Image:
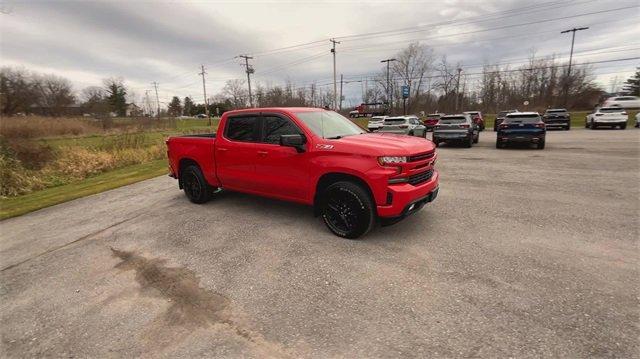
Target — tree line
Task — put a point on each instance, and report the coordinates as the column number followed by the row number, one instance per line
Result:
column 435, row 84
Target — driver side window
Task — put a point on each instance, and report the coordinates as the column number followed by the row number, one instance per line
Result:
column 275, row 126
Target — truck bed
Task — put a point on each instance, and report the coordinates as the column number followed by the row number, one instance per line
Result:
column 194, row 148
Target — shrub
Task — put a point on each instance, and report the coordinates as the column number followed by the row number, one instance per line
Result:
column 14, row 178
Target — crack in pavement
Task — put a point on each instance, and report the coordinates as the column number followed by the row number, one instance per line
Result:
column 85, row 237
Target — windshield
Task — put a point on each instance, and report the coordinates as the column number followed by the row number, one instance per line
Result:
column 611, row 109
column 556, row 111
column 523, row 119
column 329, row 124
column 452, row 120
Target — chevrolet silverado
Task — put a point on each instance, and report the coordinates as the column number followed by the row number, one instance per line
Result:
column 312, row 156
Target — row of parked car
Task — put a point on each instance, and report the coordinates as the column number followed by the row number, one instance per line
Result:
column 511, row 126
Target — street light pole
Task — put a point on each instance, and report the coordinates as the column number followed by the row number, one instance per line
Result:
column 573, row 39
column 389, row 92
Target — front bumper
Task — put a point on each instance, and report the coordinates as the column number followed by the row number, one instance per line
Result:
column 557, row 123
column 374, row 127
column 521, row 138
column 609, row 122
column 402, row 196
column 451, row 135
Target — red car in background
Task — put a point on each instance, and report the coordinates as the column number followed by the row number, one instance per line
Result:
column 432, row 120
column 476, row 116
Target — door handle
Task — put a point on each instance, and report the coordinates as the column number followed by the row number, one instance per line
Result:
column 263, row 153
column 222, row 149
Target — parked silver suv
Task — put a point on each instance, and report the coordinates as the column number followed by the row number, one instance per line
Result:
column 376, row 123
column 404, row 125
column 456, row 128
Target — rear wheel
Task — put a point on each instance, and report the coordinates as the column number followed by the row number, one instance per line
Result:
column 476, row 139
column 541, row 145
column 622, row 127
column 194, row 185
column 348, row 210
column 568, row 127
column 499, row 145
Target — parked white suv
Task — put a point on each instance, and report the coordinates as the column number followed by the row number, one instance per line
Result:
column 625, row 102
column 607, row 116
column 405, row 125
column 376, row 123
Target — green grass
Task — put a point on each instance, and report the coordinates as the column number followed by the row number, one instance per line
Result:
column 15, row 206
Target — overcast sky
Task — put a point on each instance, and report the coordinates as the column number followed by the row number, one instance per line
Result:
column 167, row 42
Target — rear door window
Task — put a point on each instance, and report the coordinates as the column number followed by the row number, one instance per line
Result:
column 274, row 126
column 243, row 129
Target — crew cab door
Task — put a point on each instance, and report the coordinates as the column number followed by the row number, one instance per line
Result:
column 282, row 171
column 235, row 152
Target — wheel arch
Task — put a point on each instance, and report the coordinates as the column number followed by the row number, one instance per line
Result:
column 330, row 178
column 182, row 164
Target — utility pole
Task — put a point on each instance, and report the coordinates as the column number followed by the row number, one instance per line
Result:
column 147, row 102
column 335, row 86
column 341, row 92
column 389, row 92
column 573, row 39
column 204, row 91
column 155, row 85
column 457, row 89
column 249, row 70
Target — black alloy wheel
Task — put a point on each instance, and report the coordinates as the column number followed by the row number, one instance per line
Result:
column 195, row 186
column 348, row 210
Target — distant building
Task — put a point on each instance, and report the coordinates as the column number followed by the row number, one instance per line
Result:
column 133, row 110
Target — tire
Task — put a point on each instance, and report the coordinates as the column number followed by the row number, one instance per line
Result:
column 348, row 210
column 435, row 141
column 568, row 127
column 499, row 145
column 541, row 145
column 194, row 185
column 623, row 127
column 469, row 142
column 586, row 124
column 476, row 139
column 592, row 125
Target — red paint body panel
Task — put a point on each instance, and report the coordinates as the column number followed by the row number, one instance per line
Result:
column 281, row 172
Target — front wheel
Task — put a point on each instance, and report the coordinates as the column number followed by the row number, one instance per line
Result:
column 622, row 127
column 541, row 145
column 348, row 210
column 195, row 186
column 476, row 139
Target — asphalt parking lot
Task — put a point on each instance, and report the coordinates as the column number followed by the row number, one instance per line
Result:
column 525, row 253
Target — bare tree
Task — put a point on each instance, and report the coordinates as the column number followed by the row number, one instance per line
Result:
column 236, row 91
column 412, row 66
column 54, row 94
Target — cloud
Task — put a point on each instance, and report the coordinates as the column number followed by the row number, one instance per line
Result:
column 167, row 42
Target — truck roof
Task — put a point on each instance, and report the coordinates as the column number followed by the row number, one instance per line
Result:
column 278, row 109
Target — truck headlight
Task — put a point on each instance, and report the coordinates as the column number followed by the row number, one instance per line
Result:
column 391, row 160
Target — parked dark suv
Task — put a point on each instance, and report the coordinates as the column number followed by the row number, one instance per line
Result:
column 500, row 117
column 521, row 127
column 456, row 128
column 557, row 118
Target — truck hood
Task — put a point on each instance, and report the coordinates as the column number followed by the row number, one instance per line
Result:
column 382, row 144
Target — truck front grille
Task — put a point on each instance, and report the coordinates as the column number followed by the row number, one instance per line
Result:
column 421, row 156
column 420, row 177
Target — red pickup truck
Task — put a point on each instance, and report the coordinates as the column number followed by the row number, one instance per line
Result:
column 311, row 156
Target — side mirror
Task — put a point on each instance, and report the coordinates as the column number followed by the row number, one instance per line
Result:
column 295, row 141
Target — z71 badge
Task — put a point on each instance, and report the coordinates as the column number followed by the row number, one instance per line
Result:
column 322, row 146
